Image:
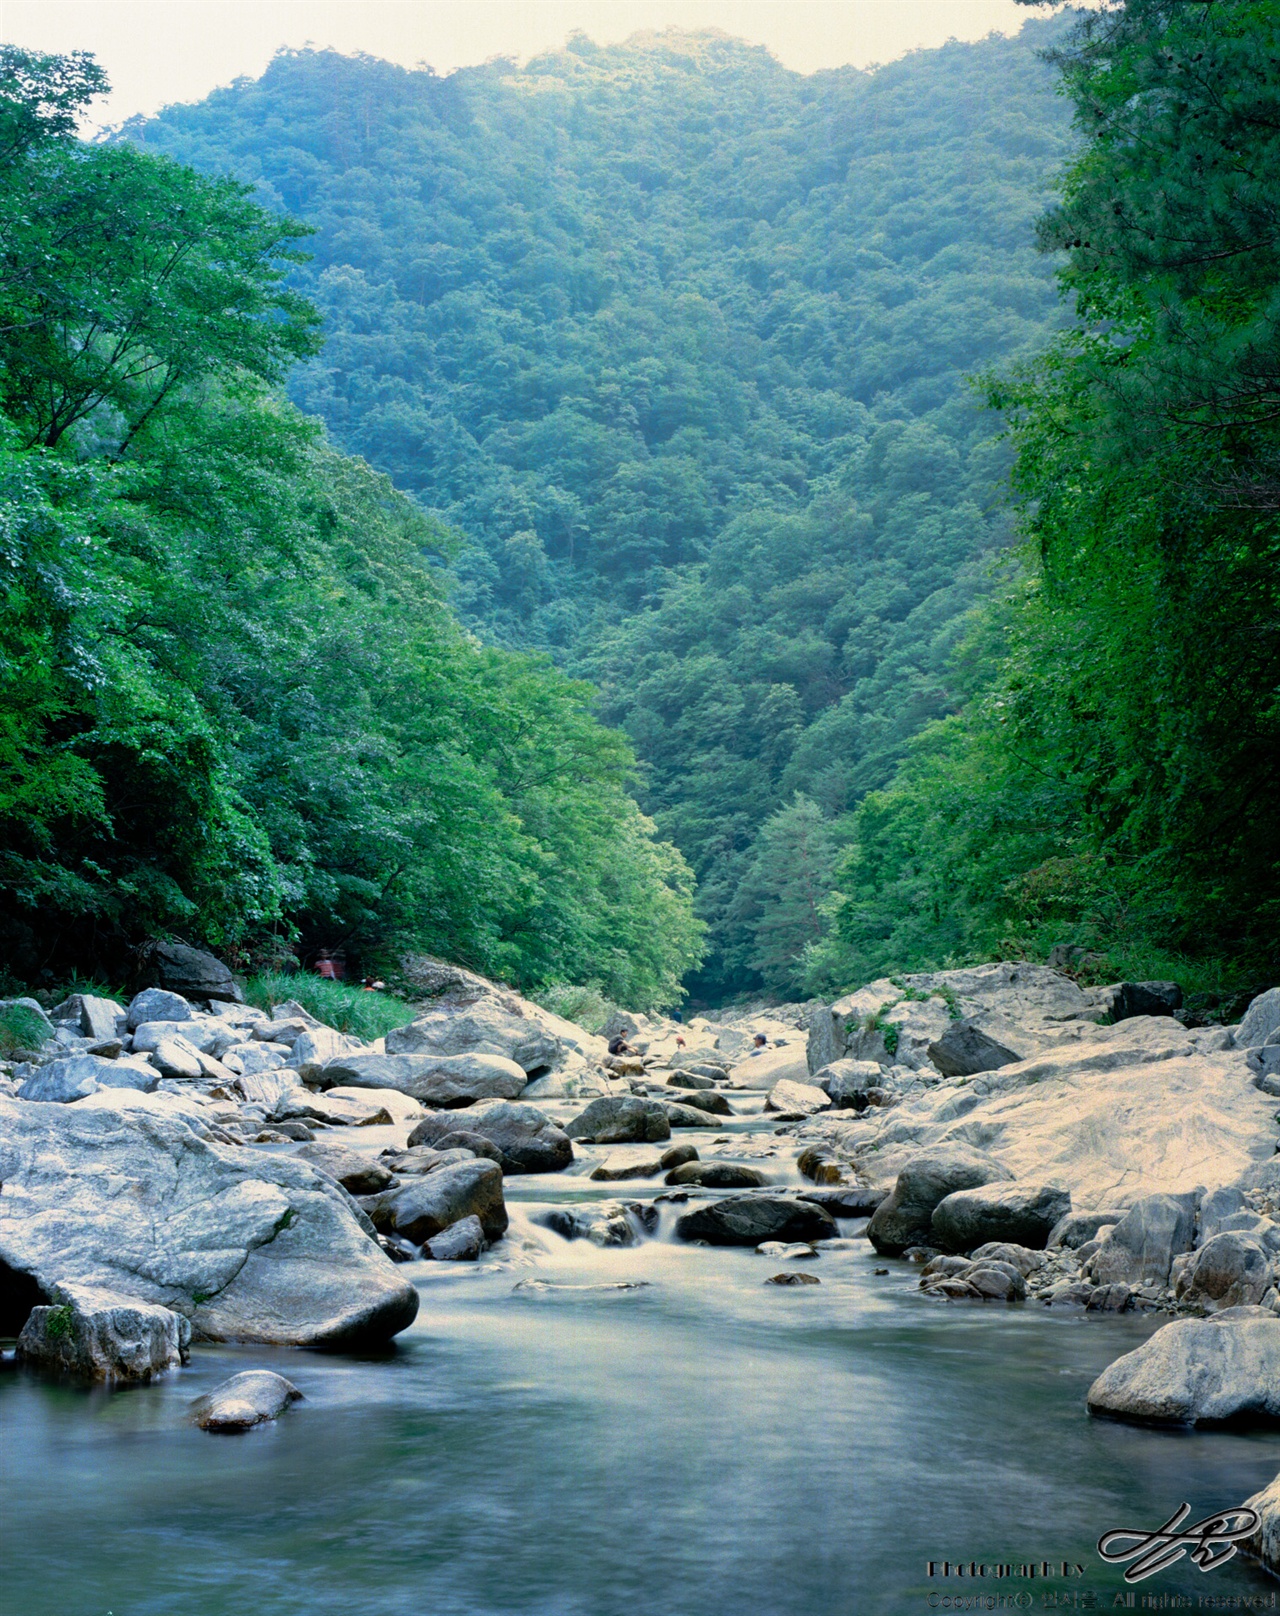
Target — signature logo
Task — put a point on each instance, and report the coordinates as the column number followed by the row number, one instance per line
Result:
column 1210, row 1542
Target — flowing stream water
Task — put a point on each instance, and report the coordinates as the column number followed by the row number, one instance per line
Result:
column 544, row 1443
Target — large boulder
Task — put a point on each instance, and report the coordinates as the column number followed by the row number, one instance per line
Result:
column 718, row 1175
column 1140, row 1248
column 1020, row 1213
column 964, row 1050
column 253, row 1397
column 620, row 1120
column 1198, row 1372
column 763, row 1068
column 70, row 1079
column 91, row 1334
column 312, row 1050
column 358, row 1174
column 793, row 1099
column 434, row 1080
column 847, row 1082
column 1231, row 1269
column 1260, row 1020
column 157, row 1004
column 500, row 1025
column 192, row 972
column 903, row 1218
column 93, row 1017
column 527, row 1138
column 1127, row 999
column 427, row 1204
column 247, row 1246
column 749, row 1220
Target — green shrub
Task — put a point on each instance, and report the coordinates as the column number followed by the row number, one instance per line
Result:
column 586, row 1006
column 20, row 1028
column 355, row 1010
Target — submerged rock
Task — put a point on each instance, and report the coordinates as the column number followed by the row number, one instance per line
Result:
column 254, row 1397
column 793, row 1276
column 92, row 1334
column 748, row 1220
column 1198, row 1372
column 718, row 1175
column 603, row 1223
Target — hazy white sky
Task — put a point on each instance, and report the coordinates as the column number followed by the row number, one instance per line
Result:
column 159, row 51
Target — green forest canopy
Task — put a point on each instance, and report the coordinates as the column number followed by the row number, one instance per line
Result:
column 678, row 339
column 234, row 705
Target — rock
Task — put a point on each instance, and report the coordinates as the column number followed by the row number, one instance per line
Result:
column 1260, row 1020
column 579, row 1085
column 175, row 1057
column 796, row 1099
column 192, row 972
column 529, row 1141
column 964, row 1050
column 253, row 1397
column 1216, row 1207
column 423, row 1159
column 794, row 1276
column 1022, row 1258
column 358, row 1175
column 677, row 1156
column 426, row 1205
column 711, row 1105
column 248, row 1059
column 197, row 1035
column 313, row 1050
column 280, row 1032
column 766, row 1067
column 694, row 1080
column 486, row 1028
column 92, row 1334
column 1229, row 1270
column 476, row 1143
column 1078, row 1228
column 904, row 1216
column 717, row 1175
column 78, row 1075
column 157, row 1004
column 849, row 1201
column 747, row 1220
column 683, row 1116
column 247, row 1246
column 271, row 1090
column 1265, row 1541
column 603, row 1223
column 95, row 1017
column 619, row 1167
column 1198, row 1372
column 1140, row 1249
column 995, row 1281
column 337, row 1113
column 620, row 1119
column 1144, row 999
column 847, row 1082
column 821, row 1165
column 399, row 1107
column 801, row 1250
column 463, row 1241
column 439, row 1081
column 1024, row 1214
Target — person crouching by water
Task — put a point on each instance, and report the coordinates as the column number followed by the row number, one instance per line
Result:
column 618, row 1045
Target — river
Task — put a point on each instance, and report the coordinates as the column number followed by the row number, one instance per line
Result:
column 698, row 1444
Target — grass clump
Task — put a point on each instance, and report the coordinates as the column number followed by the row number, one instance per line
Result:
column 20, row 1028
column 357, row 1011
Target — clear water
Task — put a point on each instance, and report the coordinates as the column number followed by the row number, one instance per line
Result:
column 706, row 1445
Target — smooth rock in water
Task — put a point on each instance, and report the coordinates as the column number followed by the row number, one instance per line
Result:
column 399, row 1107
column 337, row 1113
column 903, row 1218
column 97, row 1018
column 797, row 1099
column 1023, row 1214
column 193, row 972
column 476, row 1143
column 800, row 1250
column 582, row 1085
column 964, row 1050
column 693, row 1080
column 747, row 1220
column 718, row 1175
column 603, row 1223
column 247, row 1246
column 1260, row 1020
column 821, row 1165
column 62, row 1081
column 528, row 1139
column 713, row 1105
column 424, row 1159
column 677, row 1156
column 156, row 1004
column 765, row 1068
column 254, row 1397
column 358, row 1175
column 1140, row 1249
column 314, row 1050
column 425, row 1206
column 463, row 1241
column 795, row 1276
column 846, row 1082
column 1198, row 1372
column 92, row 1334
column 849, row 1201
column 620, row 1119
column 616, row 1169
column 1229, row 1270
column 1265, row 1542
column 439, row 1081
column 1078, row 1228
column 683, row 1116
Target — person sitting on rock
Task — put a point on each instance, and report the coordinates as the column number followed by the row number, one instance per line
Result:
column 758, row 1043
column 618, row 1044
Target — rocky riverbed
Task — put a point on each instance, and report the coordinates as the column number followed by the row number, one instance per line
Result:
column 185, row 1170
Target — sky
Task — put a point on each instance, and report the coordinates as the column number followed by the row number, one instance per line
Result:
column 160, row 51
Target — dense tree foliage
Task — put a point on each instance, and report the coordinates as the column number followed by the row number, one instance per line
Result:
column 233, row 702
column 1114, row 780
column 677, row 338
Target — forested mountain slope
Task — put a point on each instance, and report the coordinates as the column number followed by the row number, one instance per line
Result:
column 677, row 339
